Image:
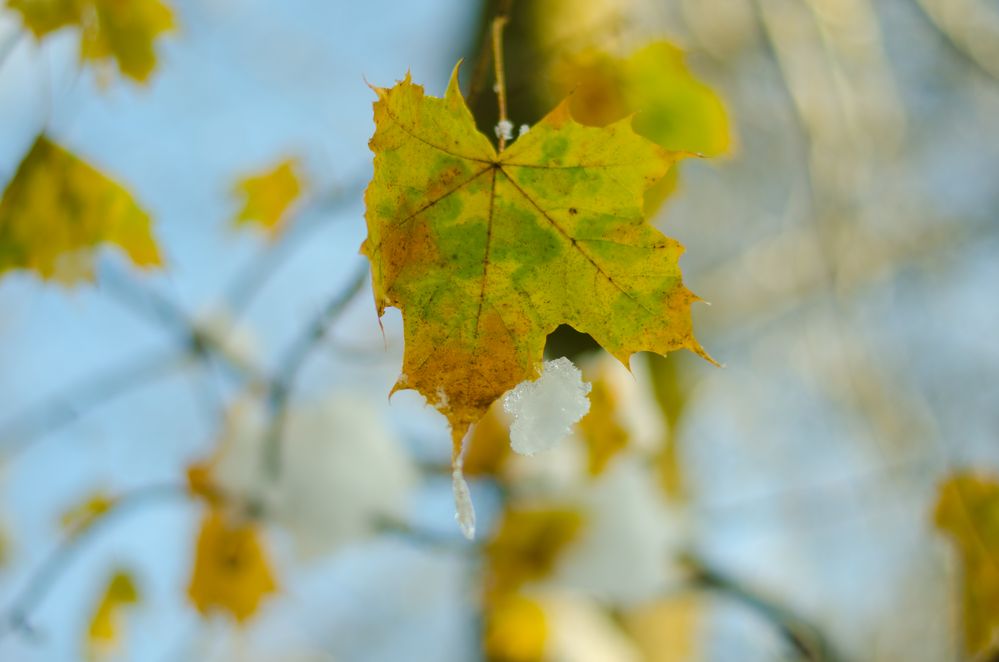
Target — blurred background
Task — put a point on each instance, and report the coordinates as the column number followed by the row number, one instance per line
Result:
column 843, row 228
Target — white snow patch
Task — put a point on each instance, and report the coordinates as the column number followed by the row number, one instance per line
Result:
column 545, row 410
column 342, row 471
column 504, row 129
column 524, row 128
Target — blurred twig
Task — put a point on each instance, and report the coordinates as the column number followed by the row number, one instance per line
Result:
column 292, row 361
column 65, row 407
column 806, row 640
column 17, row 617
column 953, row 44
column 485, row 55
column 257, row 272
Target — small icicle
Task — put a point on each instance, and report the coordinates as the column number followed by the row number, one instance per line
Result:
column 464, row 509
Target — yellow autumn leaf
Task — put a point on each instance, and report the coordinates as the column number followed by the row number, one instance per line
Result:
column 488, row 446
column 671, row 394
column 103, row 634
column 600, row 429
column 268, row 197
column 124, row 32
column 231, row 571
column 486, row 253
column 528, row 542
column 967, row 510
column 515, row 630
column 672, row 107
column 668, row 630
column 57, row 210
column 81, row 516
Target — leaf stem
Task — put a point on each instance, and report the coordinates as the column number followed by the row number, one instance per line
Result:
column 498, row 24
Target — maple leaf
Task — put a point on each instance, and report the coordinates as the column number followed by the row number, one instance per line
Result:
column 268, row 196
column 111, row 29
column 57, row 210
column 231, row 571
column 968, row 510
column 486, row 253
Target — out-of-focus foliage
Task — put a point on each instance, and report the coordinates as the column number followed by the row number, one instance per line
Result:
column 671, row 107
column 232, row 573
column 57, row 210
column 968, row 512
column 486, row 253
column 515, row 629
column 603, row 433
column 755, row 513
column 123, row 31
column 104, row 632
column 527, row 545
column 488, row 447
column 668, row 630
column 269, row 196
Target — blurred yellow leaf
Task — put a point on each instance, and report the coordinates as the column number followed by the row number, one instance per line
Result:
column 604, row 435
column 103, row 633
column 57, row 210
column 82, row 515
column 527, row 544
column 44, row 16
column 668, row 630
column 231, row 571
column 268, row 196
column 488, row 447
column 671, row 394
column 124, row 31
column 968, row 511
column 674, row 109
column 515, row 630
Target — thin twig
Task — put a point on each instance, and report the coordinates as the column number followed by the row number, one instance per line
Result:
column 158, row 309
column 953, row 44
column 804, row 638
column 291, row 365
column 254, row 276
column 20, row 431
column 498, row 24
column 17, row 617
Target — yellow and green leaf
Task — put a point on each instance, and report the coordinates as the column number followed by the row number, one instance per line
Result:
column 486, row 253
column 124, row 32
column 58, row 210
